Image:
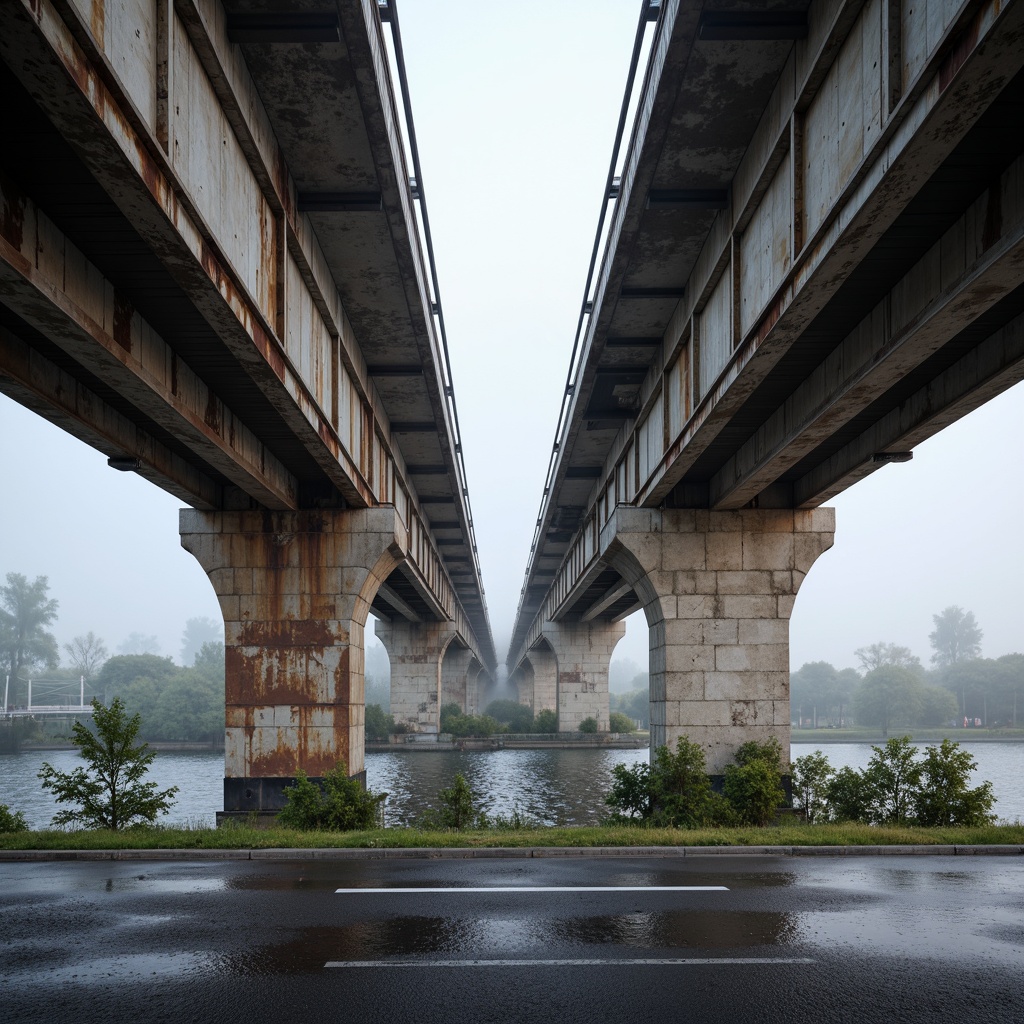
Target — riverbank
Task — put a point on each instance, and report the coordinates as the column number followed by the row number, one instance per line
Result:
column 917, row 735
column 417, row 742
column 793, row 836
column 157, row 745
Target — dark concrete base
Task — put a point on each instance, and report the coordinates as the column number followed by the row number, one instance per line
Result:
column 262, row 795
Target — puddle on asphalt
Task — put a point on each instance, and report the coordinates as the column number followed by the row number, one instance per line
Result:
column 140, row 967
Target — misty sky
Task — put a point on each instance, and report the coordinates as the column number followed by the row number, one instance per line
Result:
column 515, row 108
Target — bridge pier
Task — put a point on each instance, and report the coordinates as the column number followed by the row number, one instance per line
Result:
column 295, row 589
column 416, row 651
column 582, row 652
column 455, row 684
column 537, row 679
column 718, row 588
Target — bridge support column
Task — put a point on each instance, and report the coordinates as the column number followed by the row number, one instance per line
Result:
column 455, row 677
column 295, row 589
column 416, row 651
column 545, row 678
column 582, row 652
column 718, row 588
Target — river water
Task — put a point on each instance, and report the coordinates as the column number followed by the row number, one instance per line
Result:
column 556, row 787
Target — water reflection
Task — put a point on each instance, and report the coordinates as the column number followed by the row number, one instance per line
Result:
column 681, row 929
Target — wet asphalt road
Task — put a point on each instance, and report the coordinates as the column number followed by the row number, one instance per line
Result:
column 769, row 939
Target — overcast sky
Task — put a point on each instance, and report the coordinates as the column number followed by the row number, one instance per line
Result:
column 515, row 108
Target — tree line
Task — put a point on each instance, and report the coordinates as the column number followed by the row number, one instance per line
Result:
column 894, row 690
column 178, row 703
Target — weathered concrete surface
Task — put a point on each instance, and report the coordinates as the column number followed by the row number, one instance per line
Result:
column 582, row 652
column 718, row 590
column 295, row 590
column 416, row 651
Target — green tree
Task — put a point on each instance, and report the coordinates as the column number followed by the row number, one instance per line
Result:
column 518, row 717
column 380, row 725
column 87, row 654
column 847, row 796
column 110, row 793
column 946, row 797
column 893, row 778
column 198, row 632
column 546, row 721
column 12, row 821
column 814, row 691
column 588, row 726
column 25, row 643
column 882, row 654
column 753, row 785
column 938, row 706
column 338, row 804
column 956, row 637
column 811, row 776
column 889, row 695
column 618, row 722
column 457, row 808
column 681, row 794
column 631, row 794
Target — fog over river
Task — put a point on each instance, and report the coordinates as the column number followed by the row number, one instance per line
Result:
column 557, row 787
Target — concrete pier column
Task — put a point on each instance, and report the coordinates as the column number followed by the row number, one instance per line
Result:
column 455, row 676
column 718, row 588
column 544, row 664
column 295, row 590
column 416, row 651
column 582, row 652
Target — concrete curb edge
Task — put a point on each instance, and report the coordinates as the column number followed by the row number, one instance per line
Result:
column 506, row 853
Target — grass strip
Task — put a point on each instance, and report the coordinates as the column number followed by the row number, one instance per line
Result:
column 234, row 837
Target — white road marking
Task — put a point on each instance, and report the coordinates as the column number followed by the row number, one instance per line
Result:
column 552, row 888
column 684, row 962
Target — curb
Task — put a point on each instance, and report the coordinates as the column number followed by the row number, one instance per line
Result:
column 510, row 853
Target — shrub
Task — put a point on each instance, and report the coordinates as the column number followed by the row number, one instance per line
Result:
column 847, row 796
column 546, row 721
column 457, row 808
column 339, row 804
column 110, row 793
column 12, row 821
column 681, row 794
column 471, row 725
column 618, row 722
column 753, row 785
column 631, row 793
column 892, row 779
column 518, row 717
column 379, row 724
column 945, row 797
column 811, row 775
column 589, row 726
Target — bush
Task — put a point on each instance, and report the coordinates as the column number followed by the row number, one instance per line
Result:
column 457, row 808
column 618, row 722
column 379, row 724
column 110, row 793
column 518, row 717
column 892, row 779
column 340, row 804
column 546, row 721
column 681, row 794
column 631, row 794
column 588, row 726
column 811, row 775
column 944, row 797
column 12, row 821
column 471, row 725
column 753, row 785
column 847, row 796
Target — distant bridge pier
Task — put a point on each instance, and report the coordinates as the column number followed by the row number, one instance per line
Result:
column 417, row 651
column 582, row 653
column 718, row 589
column 295, row 589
